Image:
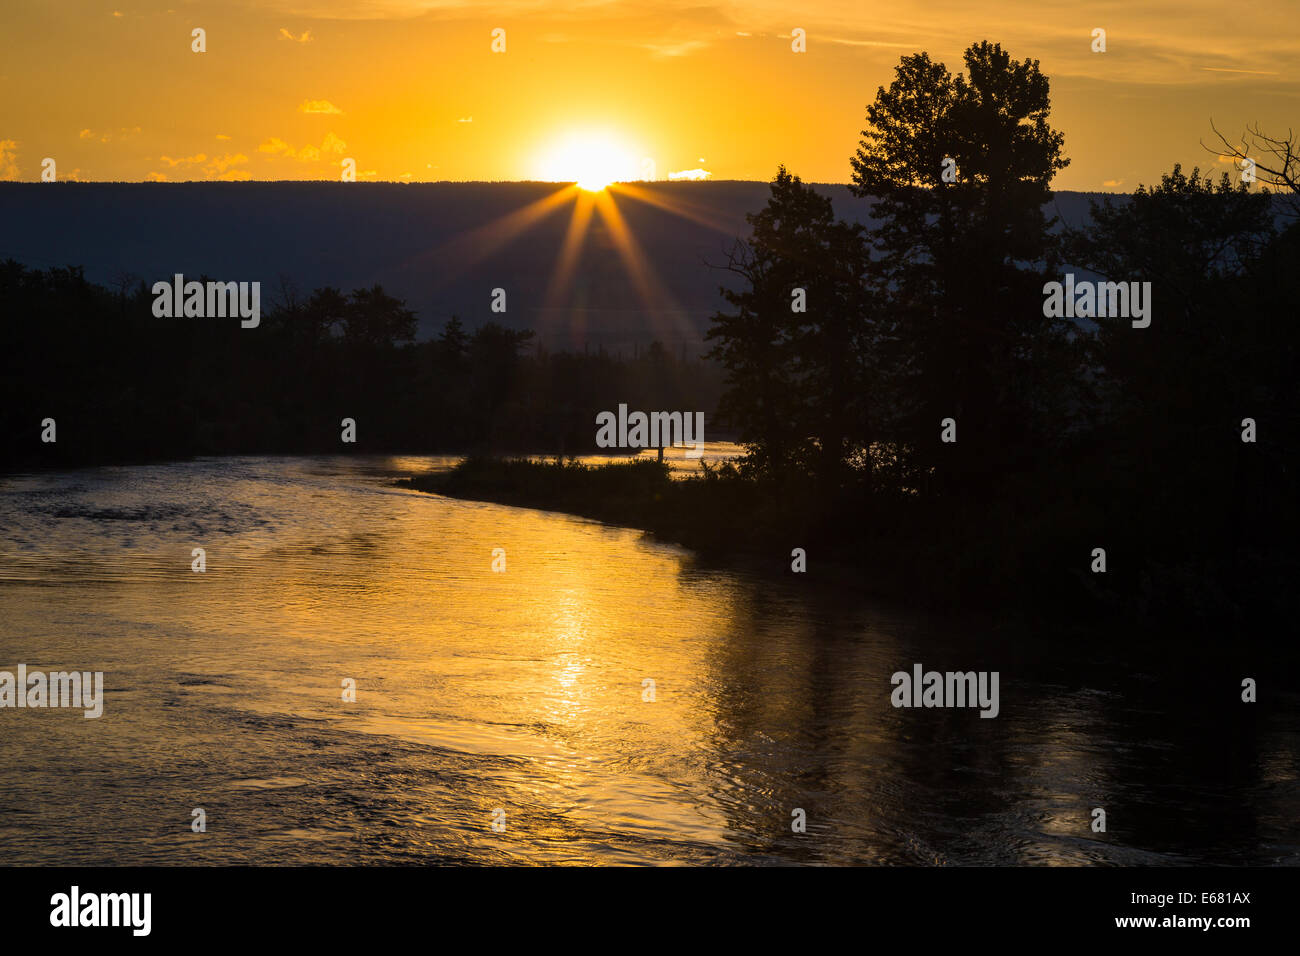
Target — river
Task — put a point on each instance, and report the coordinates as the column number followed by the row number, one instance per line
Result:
column 520, row 697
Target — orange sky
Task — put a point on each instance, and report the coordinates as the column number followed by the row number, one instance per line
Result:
column 411, row 89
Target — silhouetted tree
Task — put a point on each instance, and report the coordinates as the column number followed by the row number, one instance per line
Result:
column 324, row 314
column 1172, row 395
column 797, row 379
column 373, row 317
column 1276, row 160
column 964, row 260
column 453, row 343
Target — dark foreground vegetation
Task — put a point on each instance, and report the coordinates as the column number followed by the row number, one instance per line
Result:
column 124, row 385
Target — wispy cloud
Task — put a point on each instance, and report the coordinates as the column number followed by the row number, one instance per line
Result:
column 185, row 160
column 275, row 146
column 680, row 48
column 106, row 136
column 214, row 167
column 1159, row 41
column 222, row 167
column 1221, row 69
column 889, row 44
column 304, row 38
column 318, row 106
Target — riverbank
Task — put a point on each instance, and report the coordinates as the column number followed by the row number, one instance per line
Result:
column 639, row 494
column 1018, row 555
column 890, row 549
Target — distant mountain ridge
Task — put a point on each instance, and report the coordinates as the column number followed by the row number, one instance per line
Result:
column 443, row 247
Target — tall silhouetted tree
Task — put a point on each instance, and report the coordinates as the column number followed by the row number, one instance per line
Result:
column 958, row 168
column 796, row 347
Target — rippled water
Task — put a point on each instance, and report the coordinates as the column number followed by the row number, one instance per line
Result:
column 522, row 691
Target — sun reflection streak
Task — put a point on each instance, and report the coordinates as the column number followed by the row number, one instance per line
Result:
column 570, row 632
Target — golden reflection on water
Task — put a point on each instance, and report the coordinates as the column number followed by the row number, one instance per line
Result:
column 479, row 690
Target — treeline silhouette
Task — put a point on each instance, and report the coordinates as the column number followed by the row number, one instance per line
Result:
column 124, row 385
column 908, row 379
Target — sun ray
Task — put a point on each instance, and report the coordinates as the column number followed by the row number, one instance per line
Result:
column 654, row 294
column 469, row 249
column 567, row 260
column 678, row 207
column 634, row 260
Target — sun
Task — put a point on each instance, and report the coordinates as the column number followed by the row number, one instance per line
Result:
column 592, row 160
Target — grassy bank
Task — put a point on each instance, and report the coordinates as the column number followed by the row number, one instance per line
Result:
column 939, row 553
column 1019, row 553
column 701, row 513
